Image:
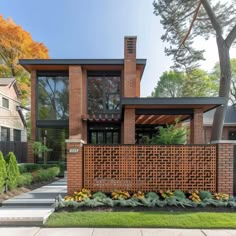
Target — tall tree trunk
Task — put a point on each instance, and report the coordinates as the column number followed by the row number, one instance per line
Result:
column 225, row 81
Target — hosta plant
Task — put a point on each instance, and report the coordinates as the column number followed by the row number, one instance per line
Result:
column 118, row 194
column 166, row 194
column 139, row 195
column 221, row 196
column 194, row 196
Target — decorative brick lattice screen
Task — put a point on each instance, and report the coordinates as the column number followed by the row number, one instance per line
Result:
column 150, row 168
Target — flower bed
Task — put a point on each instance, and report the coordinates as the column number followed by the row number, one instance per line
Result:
column 122, row 199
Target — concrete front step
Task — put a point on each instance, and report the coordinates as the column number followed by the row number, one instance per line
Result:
column 24, row 216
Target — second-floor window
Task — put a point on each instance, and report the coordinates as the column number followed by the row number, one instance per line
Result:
column 103, row 92
column 52, row 96
column 5, row 103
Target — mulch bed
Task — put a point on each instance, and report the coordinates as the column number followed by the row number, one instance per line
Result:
column 150, row 209
column 18, row 191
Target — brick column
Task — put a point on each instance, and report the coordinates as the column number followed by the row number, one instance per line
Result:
column 225, row 166
column 74, row 165
column 30, row 157
column 129, row 126
column 74, row 148
column 75, row 102
column 196, row 127
column 130, row 82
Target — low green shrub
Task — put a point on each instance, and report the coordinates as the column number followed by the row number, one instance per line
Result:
column 3, row 173
column 12, row 171
column 30, row 167
column 45, row 174
column 22, row 168
column 24, row 179
column 179, row 194
column 152, row 195
column 205, row 195
column 99, row 195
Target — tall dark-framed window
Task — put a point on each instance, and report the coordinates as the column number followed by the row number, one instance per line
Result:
column 104, row 133
column 5, row 134
column 17, row 135
column 103, row 92
column 5, row 102
column 52, row 96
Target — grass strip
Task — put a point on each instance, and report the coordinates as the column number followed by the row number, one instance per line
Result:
column 206, row 220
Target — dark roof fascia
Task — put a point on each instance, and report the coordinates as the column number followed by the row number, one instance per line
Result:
column 77, row 62
column 21, row 116
column 175, row 101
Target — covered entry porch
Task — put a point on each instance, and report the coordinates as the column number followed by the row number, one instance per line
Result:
column 139, row 113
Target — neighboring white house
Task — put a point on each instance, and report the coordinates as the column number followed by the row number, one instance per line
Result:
column 12, row 121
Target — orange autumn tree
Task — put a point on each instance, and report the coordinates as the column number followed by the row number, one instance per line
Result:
column 15, row 44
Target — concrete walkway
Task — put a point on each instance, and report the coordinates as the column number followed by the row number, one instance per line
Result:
column 35, row 231
column 32, row 208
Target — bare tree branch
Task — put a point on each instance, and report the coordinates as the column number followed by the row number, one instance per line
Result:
column 191, row 25
column 214, row 21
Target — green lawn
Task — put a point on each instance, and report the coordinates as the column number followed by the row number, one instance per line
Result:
column 143, row 219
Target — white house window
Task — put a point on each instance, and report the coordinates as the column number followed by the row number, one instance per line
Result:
column 5, row 102
column 17, row 135
column 5, row 134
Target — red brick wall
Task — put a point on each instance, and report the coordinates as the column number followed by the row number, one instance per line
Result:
column 225, row 133
column 74, row 167
column 75, row 102
column 129, row 126
column 225, row 168
column 130, row 82
column 196, row 127
column 33, row 106
column 30, row 157
column 150, row 167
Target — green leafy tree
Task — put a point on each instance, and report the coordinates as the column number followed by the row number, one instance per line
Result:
column 15, row 44
column 12, row 170
column 171, row 134
column 196, row 83
column 169, row 85
column 216, row 73
column 3, row 172
column 183, row 21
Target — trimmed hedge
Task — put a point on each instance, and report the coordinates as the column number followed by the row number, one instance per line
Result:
column 24, row 179
column 12, row 170
column 3, row 172
column 31, row 167
column 45, row 174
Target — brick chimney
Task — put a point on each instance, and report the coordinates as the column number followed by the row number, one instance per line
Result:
column 130, row 82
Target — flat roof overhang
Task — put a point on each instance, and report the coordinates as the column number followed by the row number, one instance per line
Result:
column 90, row 64
column 156, row 111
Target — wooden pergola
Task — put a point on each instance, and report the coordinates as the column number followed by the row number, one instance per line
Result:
column 161, row 111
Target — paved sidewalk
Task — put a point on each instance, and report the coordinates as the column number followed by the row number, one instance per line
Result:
column 36, row 231
column 43, row 196
column 32, row 208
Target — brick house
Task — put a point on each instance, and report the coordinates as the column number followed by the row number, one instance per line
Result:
column 97, row 101
column 229, row 129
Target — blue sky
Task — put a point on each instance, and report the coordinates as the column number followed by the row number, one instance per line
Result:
column 96, row 29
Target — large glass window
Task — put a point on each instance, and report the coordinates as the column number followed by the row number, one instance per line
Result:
column 104, row 134
column 54, row 138
column 52, row 96
column 5, row 134
column 103, row 92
